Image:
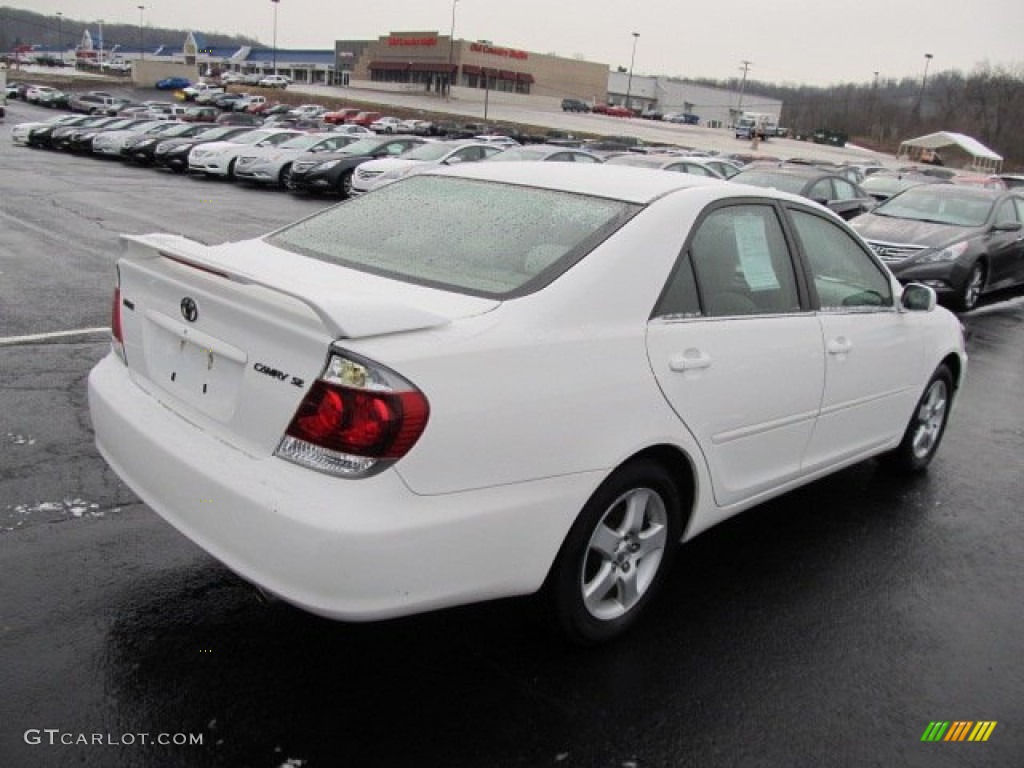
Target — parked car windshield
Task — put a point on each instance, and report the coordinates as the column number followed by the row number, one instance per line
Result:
column 304, row 141
column 780, row 181
column 474, row 237
column 428, row 152
column 940, row 203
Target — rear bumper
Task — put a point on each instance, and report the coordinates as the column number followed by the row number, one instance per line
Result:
column 347, row 549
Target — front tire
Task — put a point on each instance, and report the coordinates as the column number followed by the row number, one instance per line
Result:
column 345, row 184
column 617, row 553
column 285, row 177
column 971, row 292
column 927, row 425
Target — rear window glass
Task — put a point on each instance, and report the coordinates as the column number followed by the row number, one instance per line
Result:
column 476, row 237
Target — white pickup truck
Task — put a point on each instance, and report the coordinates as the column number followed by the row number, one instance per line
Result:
column 193, row 92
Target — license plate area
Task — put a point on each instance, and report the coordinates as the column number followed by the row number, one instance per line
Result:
column 193, row 367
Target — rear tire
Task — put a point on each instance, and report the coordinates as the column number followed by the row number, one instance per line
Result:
column 616, row 555
column 927, row 425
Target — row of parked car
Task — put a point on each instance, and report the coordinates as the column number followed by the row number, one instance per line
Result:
column 960, row 234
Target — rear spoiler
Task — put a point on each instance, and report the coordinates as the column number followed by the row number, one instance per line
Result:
column 343, row 316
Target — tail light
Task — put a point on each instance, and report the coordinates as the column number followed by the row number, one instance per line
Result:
column 116, row 335
column 357, row 418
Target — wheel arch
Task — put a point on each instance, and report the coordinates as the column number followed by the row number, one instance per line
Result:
column 956, row 367
column 679, row 466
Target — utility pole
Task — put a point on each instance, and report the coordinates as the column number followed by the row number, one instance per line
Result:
column 275, row 2
column 142, row 45
column 629, row 83
column 451, row 54
column 746, row 67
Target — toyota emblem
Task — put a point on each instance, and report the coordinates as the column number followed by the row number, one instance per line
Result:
column 189, row 309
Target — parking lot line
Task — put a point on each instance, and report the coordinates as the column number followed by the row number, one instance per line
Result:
column 10, row 341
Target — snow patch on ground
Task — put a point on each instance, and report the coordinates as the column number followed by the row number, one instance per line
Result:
column 66, row 509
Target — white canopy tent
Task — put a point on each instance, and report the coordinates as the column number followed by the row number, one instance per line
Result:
column 982, row 158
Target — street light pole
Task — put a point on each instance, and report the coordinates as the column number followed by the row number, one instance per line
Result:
column 451, row 53
column 142, row 45
column 924, row 81
column 275, row 2
column 60, row 35
column 629, row 82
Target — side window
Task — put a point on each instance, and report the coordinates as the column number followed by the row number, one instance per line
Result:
column 696, row 170
column 844, row 189
column 844, row 275
column 577, row 158
column 742, row 263
column 561, row 157
column 1019, row 202
column 469, row 154
column 822, row 190
column 1006, row 212
column 679, row 298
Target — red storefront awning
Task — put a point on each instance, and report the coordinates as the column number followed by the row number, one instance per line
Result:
column 525, row 77
column 470, row 69
column 505, row 74
column 389, row 65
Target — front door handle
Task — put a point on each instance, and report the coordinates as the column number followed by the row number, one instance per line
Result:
column 690, row 360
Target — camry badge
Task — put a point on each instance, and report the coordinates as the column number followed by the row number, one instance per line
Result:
column 189, row 309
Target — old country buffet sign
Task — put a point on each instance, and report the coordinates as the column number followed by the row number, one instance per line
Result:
column 414, row 41
column 510, row 53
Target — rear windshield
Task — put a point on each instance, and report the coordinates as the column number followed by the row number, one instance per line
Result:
column 481, row 238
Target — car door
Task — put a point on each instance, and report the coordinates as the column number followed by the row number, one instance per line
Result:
column 1006, row 248
column 736, row 353
column 873, row 351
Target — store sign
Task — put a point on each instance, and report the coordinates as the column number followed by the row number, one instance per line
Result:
column 509, row 53
column 414, row 41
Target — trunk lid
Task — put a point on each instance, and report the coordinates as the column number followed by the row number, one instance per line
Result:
column 232, row 337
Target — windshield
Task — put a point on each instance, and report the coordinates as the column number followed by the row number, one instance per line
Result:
column 178, row 129
column 301, row 142
column 428, row 152
column 780, row 181
column 638, row 161
column 518, row 154
column 215, row 133
column 474, row 237
column 941, row 204
column 362, row 147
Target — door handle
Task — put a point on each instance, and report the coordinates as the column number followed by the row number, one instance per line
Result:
column 690, row 360
column 840, row 346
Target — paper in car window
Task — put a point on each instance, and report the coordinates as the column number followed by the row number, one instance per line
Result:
column 755, row 256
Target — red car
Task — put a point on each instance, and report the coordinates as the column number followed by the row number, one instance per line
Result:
column 364, row 119
column 611, row 109
column 339, row 116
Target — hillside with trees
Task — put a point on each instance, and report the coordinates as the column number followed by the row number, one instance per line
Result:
column 20, row 27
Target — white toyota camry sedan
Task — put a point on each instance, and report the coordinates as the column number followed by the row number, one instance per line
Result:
column 505, row 378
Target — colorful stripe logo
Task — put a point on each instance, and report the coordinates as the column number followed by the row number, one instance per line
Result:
column 958, row 730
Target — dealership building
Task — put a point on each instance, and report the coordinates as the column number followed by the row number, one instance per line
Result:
column 433, row 62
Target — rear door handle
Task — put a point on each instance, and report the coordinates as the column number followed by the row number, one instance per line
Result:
column 840, row 346
column 690, row 360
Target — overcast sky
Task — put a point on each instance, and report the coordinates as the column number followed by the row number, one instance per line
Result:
column 786, row 41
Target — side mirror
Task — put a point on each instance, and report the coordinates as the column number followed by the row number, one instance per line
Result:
column 1006, row 226
column 917, row 298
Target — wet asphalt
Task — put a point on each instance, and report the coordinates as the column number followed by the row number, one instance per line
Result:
column 826, row 628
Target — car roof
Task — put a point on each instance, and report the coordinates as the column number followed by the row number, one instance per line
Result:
column 634, row 185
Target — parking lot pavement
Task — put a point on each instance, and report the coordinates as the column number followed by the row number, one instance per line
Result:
column 826, row 628
column 466, row 104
